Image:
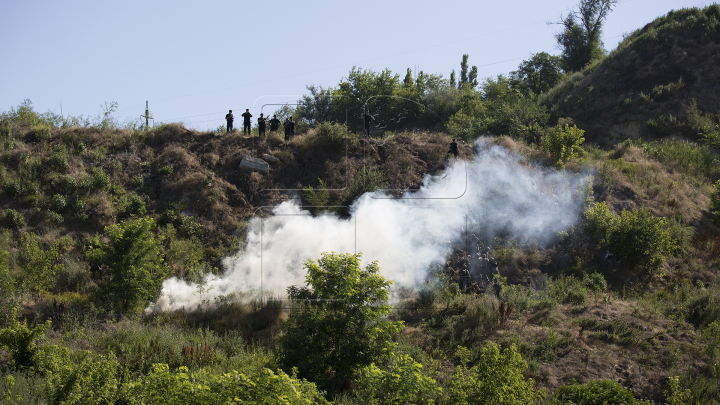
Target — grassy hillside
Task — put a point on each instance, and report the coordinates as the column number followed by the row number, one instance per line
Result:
column 660, row 81
column 621, row 307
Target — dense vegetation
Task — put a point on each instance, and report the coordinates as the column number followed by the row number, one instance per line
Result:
column 624, row 307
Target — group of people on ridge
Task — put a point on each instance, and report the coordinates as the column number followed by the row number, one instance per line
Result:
column 289, row 124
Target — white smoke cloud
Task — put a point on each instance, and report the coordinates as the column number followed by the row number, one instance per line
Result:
column 492, row 193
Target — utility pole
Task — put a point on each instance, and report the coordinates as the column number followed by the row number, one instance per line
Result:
column 147, row 116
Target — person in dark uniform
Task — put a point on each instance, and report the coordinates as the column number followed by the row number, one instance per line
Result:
column 453, row 150
column 368, row 119
column 289, row 125
column 261, row 125
column 274, row 124
column 497, row 289
column 246, row 121
column 229, row 118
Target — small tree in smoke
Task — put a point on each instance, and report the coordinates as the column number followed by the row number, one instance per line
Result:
column 337, row 325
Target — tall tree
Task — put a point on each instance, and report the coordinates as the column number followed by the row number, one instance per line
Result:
column 467, row 77
column 538, row 74
column 580, row 39
column 408, row 81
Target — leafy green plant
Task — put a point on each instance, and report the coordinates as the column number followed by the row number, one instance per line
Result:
column 42, row 133
column 496, row 378
column 563, row 143
column 133, row 260
column 641, row 240
column 595, row 392
column 13, row 219
column 59, row 158
column 181, row 386
column 399, row 381
column 189, row 228
column 165, row 170
column 19, row 340
column 338, row 324
column 99, row 180
column 39, row 265
column 317, row 197
column 365, row 181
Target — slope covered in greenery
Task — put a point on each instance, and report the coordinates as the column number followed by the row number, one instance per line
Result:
column 621, row 307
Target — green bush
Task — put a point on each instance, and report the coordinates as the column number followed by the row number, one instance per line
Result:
column 39, row 265
column 334, row 137
column 563, row 143
column 641, row 240
column 496, row 378
column 165, row 170
column 595, row 282
column 59, row 158
column 636, row 237
column 13, row 219
column 59, row 202
column 189, row 228
column 99, row 180
column 163, row 386
column 595, row 392
column 338, row 324
column 365, row 181
column 53, row 217
column 400, row 381
column 133, row 260
column 90, row 380
column 42, row 133
column 19, row 340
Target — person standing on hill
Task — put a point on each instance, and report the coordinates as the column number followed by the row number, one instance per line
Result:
column 453, row 150
column 261, row 125
column 229, row 118
column 274, row 124
column 246, row 121
column 289, row 128
column 368, row 119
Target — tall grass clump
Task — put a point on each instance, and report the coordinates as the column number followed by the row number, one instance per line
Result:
column 687, row 157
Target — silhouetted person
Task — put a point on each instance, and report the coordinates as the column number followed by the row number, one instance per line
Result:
column 274, row 124
column 289, row 128
column 453, row 150
column 261, row 125
column 229, row 118
column 497, row 288
column 246, row 121
column 368, row 119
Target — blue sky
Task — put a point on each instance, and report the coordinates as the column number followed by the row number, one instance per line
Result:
column 195, row 60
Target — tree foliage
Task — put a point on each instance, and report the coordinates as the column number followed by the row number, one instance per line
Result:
column 133, row 262
column 39, row 265
column 337, row 325
column 19, row 340
column 580, row 39
column 496, row 378
column 537, row 75
column 563, row 143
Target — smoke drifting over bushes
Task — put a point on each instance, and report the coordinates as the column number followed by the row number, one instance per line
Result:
column 493, row 193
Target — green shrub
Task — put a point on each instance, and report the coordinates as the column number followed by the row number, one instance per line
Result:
column 400, row 381
column 496, row 378
column 636, row 237
column 59, row 158
column 91, row 380
column 53, row 217
column 563, row 143
column 189, row 228
column 641, row 240
column 317, row 197
column 333, row 136
column 595, row 392
column 163, row 386
column 39, row 265
column 133, row 260
column 13, row 219
column 99, row 180
column 365, row 181
column 19, row 340
column 595, row 282
column 59, row 202
column 338, row 324
column 165, row 170
column 42, row 133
